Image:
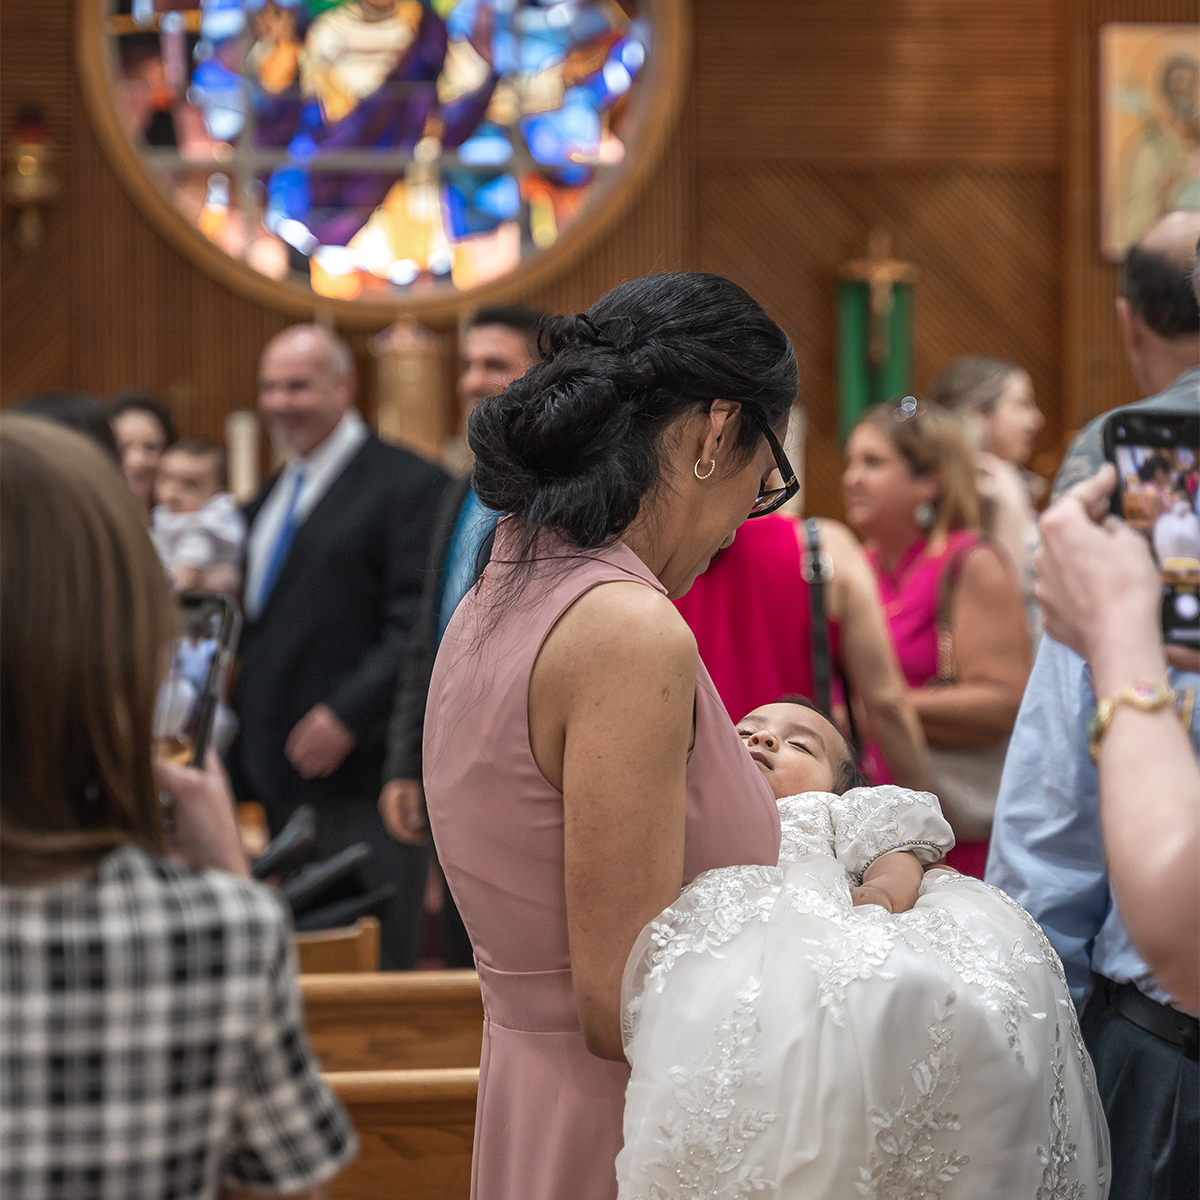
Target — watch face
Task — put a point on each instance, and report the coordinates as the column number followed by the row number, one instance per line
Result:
column 378, row 150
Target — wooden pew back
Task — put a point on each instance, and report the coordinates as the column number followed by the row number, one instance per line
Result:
column 394, row 1019
column 415, row 1130
column 340, row 950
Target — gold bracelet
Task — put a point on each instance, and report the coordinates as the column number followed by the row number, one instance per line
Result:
column 1143, row 697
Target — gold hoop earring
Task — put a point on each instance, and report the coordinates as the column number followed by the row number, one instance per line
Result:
column 712, row 466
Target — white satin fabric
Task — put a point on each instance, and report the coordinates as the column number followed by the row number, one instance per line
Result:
column 784, row 1043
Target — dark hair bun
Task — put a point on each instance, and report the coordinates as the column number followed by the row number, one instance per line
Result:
column 572, row 445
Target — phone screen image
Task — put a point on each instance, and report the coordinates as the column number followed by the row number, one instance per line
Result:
column 188, row 697
column 1159, row 497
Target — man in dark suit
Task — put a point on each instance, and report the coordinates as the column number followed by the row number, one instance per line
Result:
column 335, row 553
column 500, row 346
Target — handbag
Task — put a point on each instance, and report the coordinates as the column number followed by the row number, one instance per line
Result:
column 966, row 782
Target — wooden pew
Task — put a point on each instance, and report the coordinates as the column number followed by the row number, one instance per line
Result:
column 394, row 1019
column 329, row 950
column 415, row 1130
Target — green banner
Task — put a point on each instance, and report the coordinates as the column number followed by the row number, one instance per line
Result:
column 862, row 382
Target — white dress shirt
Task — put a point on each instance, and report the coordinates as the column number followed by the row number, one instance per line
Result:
column 321, row 467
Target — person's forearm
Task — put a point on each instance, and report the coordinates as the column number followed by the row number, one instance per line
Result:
column 897, row 728
column 1150, row 815
column 967, row 715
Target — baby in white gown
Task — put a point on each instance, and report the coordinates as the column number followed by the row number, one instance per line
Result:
column 809, row 1031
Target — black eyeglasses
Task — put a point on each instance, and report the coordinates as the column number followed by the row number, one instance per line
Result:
column 781, row 484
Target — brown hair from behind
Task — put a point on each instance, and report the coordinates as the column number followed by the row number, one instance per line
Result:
column 932, row 440
column 85, row 619
column 973, row 383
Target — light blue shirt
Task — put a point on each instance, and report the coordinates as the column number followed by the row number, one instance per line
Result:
column 1047, row 852
column 475, row 522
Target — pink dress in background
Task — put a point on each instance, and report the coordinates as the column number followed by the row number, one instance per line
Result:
column 548, row 1124
column 752, row 620
column 910, row 600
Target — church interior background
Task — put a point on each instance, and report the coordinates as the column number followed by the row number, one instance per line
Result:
column 792, row 145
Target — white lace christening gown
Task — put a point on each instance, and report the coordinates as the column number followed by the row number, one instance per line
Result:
column 784, row 1043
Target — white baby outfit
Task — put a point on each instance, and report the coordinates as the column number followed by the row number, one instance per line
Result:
column 210, row 538
column 785, row 1043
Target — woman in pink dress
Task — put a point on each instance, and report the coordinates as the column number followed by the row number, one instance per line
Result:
column 910, row 492
column 579, row 765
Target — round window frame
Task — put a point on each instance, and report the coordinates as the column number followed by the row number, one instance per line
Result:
column 653, row 117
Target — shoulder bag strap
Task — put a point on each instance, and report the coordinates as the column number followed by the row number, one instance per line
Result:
column 947, row 664
column 816, row 570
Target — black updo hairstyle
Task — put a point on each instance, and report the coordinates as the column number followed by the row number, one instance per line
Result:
column 572, row 446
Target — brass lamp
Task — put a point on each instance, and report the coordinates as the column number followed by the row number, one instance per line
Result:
column 29, row 184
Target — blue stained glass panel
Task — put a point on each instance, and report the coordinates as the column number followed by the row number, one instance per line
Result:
column 358, row 147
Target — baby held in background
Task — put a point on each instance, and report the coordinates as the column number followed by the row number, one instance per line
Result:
column 848, row 1023
column 198, row 528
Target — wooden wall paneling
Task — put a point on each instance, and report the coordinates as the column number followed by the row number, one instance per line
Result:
column 1096, row 372
column 35, row 285
column 879, row 81
column 937, row 120
column 984, row 240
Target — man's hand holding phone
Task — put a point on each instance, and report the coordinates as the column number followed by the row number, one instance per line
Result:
column 1097, row 581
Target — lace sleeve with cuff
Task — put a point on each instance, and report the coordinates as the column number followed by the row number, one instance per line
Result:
column 870, row 822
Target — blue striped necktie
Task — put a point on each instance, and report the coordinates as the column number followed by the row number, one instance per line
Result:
column 283, row 543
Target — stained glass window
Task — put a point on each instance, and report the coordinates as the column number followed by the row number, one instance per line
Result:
column 376, row 148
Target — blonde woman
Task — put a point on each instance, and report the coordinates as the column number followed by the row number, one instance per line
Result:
column 995, row 401
column 950, row 597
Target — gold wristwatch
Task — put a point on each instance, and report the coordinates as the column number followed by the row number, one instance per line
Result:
column 1143, row 697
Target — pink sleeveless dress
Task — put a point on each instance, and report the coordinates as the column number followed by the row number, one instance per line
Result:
column 548, row 1123
column 910, row 601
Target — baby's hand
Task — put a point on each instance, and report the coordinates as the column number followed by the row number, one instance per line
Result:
column 870, row 895
column 893, row 882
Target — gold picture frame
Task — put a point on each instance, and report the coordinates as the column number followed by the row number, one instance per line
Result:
column 1149, row 128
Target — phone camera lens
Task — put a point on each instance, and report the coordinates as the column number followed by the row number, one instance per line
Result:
column 1187, row 607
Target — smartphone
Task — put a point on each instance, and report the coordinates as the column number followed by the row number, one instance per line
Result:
column 1157, row 456
column 188, row 699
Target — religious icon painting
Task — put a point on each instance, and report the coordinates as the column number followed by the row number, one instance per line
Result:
column 372, row 149
column 1149, row 128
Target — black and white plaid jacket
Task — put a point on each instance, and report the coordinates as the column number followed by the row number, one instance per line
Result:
column 152, row 1040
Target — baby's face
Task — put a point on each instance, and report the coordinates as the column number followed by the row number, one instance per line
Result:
column 185, row 481
column 796, row 749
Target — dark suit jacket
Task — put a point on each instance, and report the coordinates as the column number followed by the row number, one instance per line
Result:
column 407, row 727
column 336, row 624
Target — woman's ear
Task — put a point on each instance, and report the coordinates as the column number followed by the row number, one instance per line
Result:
column 930, row 485
column 721, row 431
